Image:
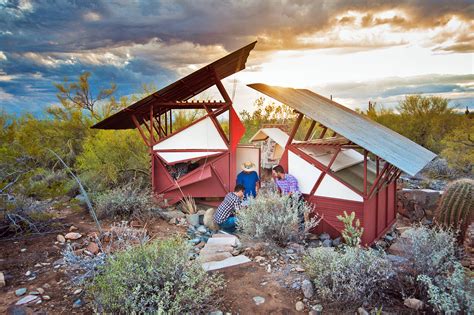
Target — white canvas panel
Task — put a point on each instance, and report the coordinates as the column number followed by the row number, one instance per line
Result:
column 345, row 159
column 276, row 134
column 305, row 173
column 330, row 187
column 202, row 135
column 248, row 154
column 171, row 157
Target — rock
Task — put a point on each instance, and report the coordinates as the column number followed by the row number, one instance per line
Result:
column 77, row 291
column 18, row 310
column 216, row 313
column 193, row 219
column 307, row 288
column 2, row 280
column 327, row 243
column 80, row 199
column 27, row 299
column 73, row 236
column 399, row 248
column 336, row 242
column 93, row 248
column 40, row 290
column 77, row 303
column 259, row 258
column 258, row 300
column 397, row 260
column 313, row 312
column 414, row 304
column 28, row 273
column 299, row 269
column 46, row 297
column 202, row 229
column 72, row 228
column 20, row 291
column 203, row 258
column 209, row 220
column 362, row 311
column 415, row 204
column 60, row 238
column 173, row 214
column 324, row 236
column 299, row 306
column 23, row 250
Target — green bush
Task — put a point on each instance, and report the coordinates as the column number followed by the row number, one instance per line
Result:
column 352, row 276
column 435, row 270
column 43, row 184
column 124, row 202
column 271, row 217
column 157, row 278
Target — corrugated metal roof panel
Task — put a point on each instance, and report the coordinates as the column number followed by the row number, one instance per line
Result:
column 182, row 89
column 370, row 135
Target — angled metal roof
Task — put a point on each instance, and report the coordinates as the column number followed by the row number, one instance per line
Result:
column 370, row 135
column 181, row 90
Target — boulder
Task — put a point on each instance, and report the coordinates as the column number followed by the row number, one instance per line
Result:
column 415, row 204
column 307, row 288
column 209, row 219
column 414, row 304
column 73, row 236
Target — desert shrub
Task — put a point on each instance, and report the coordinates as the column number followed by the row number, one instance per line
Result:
column 351, row 276
column 124, row 202
column 435, row 270
column 43, row 183
column 352, row 234
column 272, row 217
column 157, row 278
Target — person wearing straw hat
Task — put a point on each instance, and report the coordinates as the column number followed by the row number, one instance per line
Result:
column 249, row 179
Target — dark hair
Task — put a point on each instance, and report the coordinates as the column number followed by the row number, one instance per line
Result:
column 279, row 169
column 239, row 187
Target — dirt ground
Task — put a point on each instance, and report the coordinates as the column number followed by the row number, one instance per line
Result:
column 38, row 254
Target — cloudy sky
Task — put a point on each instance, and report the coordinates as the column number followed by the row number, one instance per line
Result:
column 354, row 50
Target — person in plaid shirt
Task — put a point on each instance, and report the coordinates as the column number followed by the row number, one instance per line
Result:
column 287, row 184
column 225, row 213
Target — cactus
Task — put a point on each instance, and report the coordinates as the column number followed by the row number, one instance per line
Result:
column 352, row 234
column 456, row 206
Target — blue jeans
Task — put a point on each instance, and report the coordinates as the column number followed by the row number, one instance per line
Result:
column 229, row 225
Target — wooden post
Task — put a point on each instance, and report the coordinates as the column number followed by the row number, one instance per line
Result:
column 328, row 169
column 365, row 173
column 137, row 124
column 295, row 129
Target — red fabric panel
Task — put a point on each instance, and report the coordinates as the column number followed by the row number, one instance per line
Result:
column 237, row 129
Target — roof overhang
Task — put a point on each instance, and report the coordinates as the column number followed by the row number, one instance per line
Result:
column 175, row 95
column 394, row 148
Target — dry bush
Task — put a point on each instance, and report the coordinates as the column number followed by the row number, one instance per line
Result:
column 157, row 278
column 188, row 205
column 352, row 276
column 271, row 217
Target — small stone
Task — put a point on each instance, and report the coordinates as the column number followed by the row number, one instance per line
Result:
column 46, row 285
column 313, row 312
column 259, row 258
column 299, row 306
column 23, row 250
column 73, row 228
column 258, row 300
column 38, row 265
column 40, row 290
column 39, row 301
column 27, row 299
column 202, row 229
column 324, row 236
column 362, row 311
column 77, row 303
column 336, row 242
column 73, row 236
column 2, row 280
column 299, row 269
column 327, row 243
column 216, row 313
column 413, row 304
column 46, row 297
column 28, row 273
column 307, row 288
column 20, row 291
column 93, row 248
column 60, row 238
column 77, row 291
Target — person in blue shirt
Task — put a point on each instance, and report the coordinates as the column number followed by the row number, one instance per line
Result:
column 249, row 179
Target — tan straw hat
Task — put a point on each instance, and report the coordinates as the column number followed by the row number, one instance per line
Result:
column 248, row 166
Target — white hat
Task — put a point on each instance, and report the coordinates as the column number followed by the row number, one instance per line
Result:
column 248, row 166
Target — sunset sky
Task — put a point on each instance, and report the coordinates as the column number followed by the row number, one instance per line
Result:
column 354, row 50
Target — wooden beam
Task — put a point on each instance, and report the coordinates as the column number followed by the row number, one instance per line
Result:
column 377, row 179
column 365, row 172
column 321, row 176
column 220, row 87
column 310, row 130
column 137, row 124
column 295, row 129
column 323, row 132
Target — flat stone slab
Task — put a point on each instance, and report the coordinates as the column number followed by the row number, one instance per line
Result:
column 232, row 241
column 208, row 257
column 219, row 235
column 228, row 262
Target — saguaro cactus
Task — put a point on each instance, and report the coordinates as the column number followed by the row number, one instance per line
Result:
column 456, row 206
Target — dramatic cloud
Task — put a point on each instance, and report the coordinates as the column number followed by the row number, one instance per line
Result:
column 143, row 41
